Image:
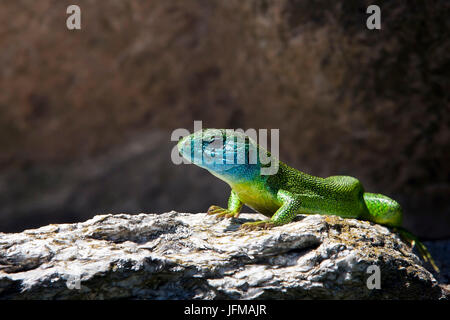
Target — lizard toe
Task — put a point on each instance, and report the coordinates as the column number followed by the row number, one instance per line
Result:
column 232, row 215
column 214, row 209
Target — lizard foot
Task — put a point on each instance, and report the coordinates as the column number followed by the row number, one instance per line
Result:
column 265, row 224
column 221, row 212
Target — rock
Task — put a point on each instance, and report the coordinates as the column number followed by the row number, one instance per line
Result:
column 194, row 256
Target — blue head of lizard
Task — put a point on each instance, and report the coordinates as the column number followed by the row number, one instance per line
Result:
column 230, row 155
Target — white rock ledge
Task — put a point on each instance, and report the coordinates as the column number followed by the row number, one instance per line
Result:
column 194, row 256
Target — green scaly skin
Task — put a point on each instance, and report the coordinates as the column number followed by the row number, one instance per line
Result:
column 289, row 192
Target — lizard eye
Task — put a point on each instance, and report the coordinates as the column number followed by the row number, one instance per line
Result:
column 213, row 142
column 208, row 140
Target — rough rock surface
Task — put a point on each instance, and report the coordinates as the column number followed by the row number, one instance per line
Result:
column 183, row 256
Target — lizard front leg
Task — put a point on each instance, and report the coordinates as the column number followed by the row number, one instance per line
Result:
column 291, row 204
column 234, row 208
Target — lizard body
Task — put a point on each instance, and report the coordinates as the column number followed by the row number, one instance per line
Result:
column 288, row 192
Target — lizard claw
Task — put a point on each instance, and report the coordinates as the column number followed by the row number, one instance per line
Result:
column 214, row 210
column 221, row 212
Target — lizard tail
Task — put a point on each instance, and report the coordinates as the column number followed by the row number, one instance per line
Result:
column 386, row 211
column 413, row 240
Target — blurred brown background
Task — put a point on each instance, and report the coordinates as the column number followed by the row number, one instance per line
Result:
column 86, row 116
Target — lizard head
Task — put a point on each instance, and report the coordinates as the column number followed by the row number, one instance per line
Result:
column 230, row 155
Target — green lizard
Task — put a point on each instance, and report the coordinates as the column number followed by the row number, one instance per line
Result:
column 281, row 196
